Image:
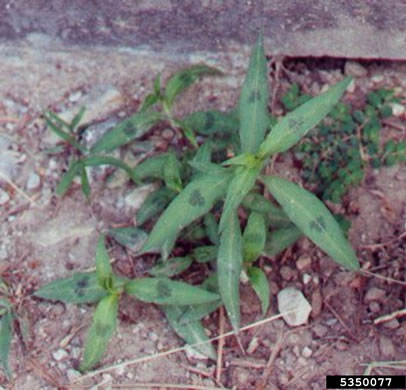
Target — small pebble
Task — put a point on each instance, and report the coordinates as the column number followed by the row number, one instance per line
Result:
column 4, row 197
column 397, row 109
column 355, row 69
column 286, row 273
column 319, row 330
column 292, row 299
column 392, row 324
column 307, row 352
column 303, row 263
column 341, row 345
column 74, row 97
column 374, row 294
column 387, row 347
column 374, row 307
column 167, row 134
column 378, row 78
column 72, row 375
column 59, row 354
column 306, row 279
column 253, row 345
column 33, row 181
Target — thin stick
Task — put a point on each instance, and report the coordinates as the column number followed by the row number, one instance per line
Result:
column 220, row 345
column 175, row 350
column 371, row 274
column 389, row 317
column 21, row 192
column 341, row 321
column 164, row 385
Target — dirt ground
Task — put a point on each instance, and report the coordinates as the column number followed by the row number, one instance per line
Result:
column 44, row 237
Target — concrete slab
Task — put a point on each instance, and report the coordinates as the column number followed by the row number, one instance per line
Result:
column 367, row 29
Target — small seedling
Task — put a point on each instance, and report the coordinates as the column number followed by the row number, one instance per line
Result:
column 201, row 195
column 344, row 144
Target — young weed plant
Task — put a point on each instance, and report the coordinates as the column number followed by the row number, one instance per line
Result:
column 202, row 191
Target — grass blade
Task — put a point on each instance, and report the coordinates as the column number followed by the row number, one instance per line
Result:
column 171, row 171
column 212, row 228
column 192, row 332
column 254, row 237
column 77, row 118
column 229, row 260
column 195, row 200
column 79, row 288
column 313, row 218
column 260, row 284
column 68, row 177
column 6, row 334
column 291, row 128
column 102, row 329
column 280, row 239
column 152, row 167
column 84, row 180
column 126, row 131
column 163, row 291
column 253, row 103
column 184, row 79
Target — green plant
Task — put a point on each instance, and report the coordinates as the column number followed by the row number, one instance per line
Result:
column 84, row 158
column 344, row 144
column 202, row 191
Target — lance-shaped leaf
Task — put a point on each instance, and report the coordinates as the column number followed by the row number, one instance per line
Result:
column 96, row 160
column 6, row 334
column 102, row 329
column 79, row 288
column 212, row 122
column 192, row 332
column 168, row 292
column 154, row 204
column 197, row 312
column 275, row 215
column 154, row 97
column 126, row 131
column 171, row 172
column 254, row 237
column 184, row 79
column 104, row 271
column 253, row 101
column 205, row 253
column 131, row 237
column 67, row 179
column 152, row 167
column 76, row 119
column 260, row 284
column 229, row 260
column 291, row 128
column 313, row 218
column 194, row 201
column 203, row 154
column 280, row 239
column 171, row 267
column 243, row 181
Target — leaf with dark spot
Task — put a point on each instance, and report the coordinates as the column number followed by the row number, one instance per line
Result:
column 194, row 201
column 301, row 207
column 291, row 128
column 79, row 288
column 254, row 96
column 168, row 292
column 212, row 122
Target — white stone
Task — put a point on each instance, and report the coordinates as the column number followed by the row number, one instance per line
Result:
column 293, row 301
column 397, row 109
column 59, row 354
column 355, row 69
column 306, row 352
column 137, row 197
column 33, row 181
column 306, row 278
column 4, row 197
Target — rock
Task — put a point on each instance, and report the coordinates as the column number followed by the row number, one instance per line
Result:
column 136, row 197
column 59, row 354
column 167, row 134
column 286, row 273
column 392, row 324
column 4, row 197
column 387, row 347
column 374, row 307
column 292, row 299
column 374, row 294
column 355, row 69
column 33, row 181
column 319, row 330
column 303, row 263
column 72, row 374
column 317, row 303
column 307, row 352
column 397, row 109
column 306, row 278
